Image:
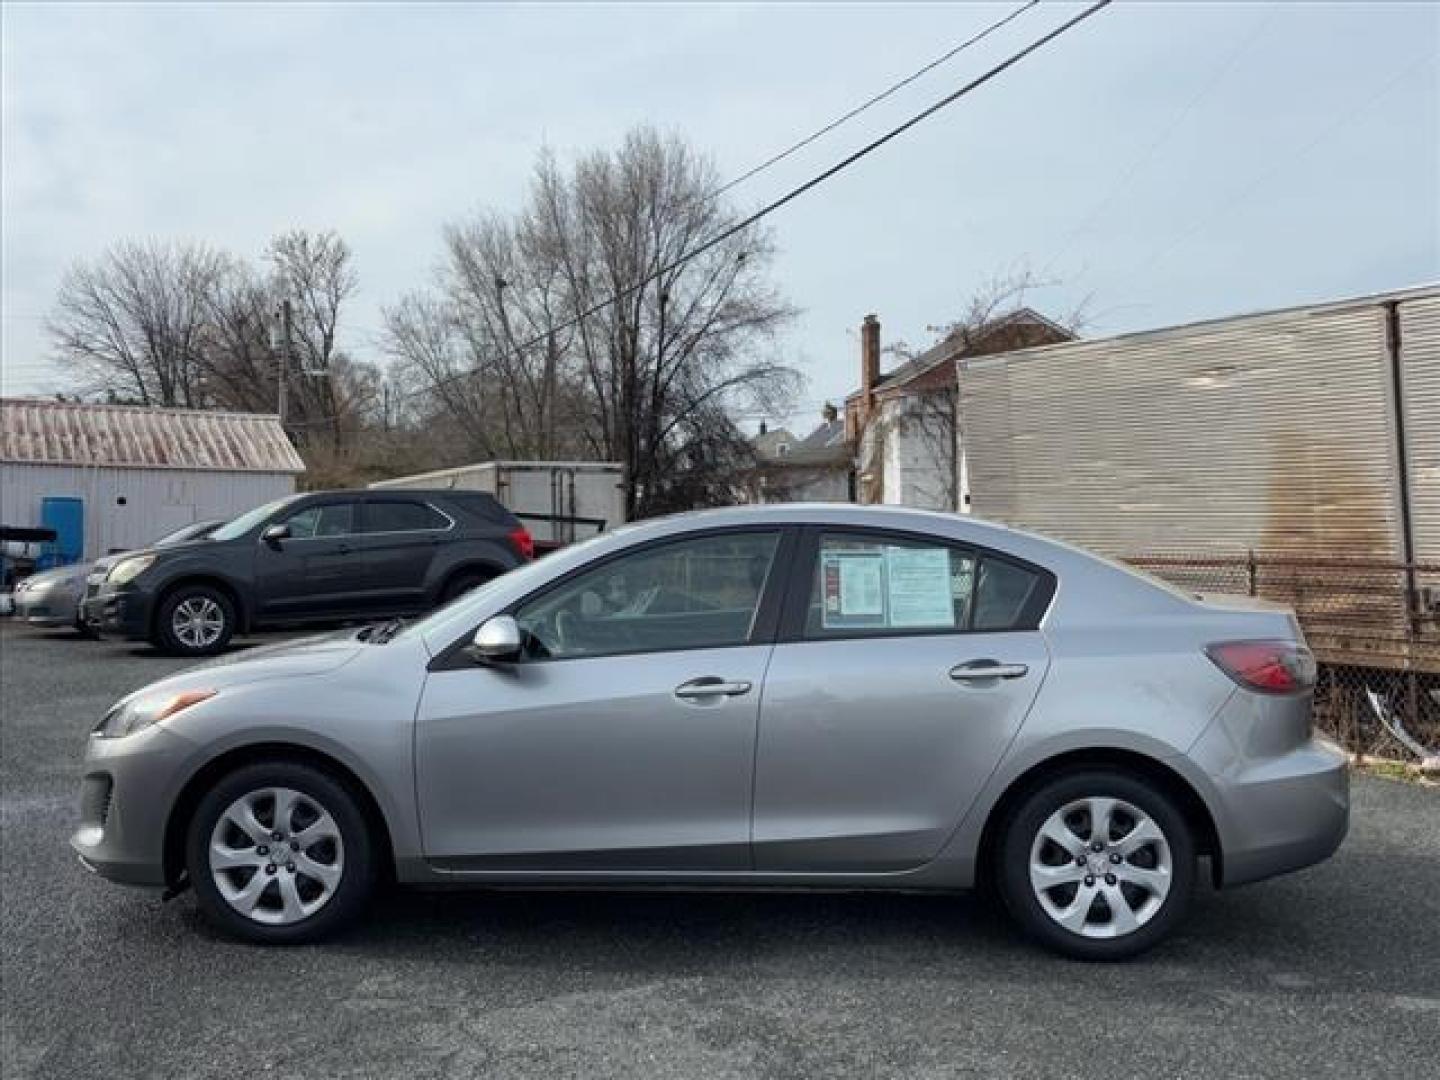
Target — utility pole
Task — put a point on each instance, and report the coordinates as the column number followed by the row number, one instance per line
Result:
column 283, row 359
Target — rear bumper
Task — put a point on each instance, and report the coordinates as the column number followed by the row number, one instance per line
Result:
column 1276, row 813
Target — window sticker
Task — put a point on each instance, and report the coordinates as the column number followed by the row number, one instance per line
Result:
column 917, row 587
column 854, row 588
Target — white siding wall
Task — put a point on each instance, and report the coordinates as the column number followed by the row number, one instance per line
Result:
column 915, row 464
column 156, row 500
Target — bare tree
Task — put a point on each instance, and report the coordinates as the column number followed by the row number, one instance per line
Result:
column 314, row 271
column 524, row 317
column 133, row 323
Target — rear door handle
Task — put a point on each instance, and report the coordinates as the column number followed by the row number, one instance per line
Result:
column 976, row 670
column 710, row 686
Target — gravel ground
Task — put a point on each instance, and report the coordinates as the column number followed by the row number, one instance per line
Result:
column 1330, row 972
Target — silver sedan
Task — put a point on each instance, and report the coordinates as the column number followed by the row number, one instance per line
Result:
column 832, row 697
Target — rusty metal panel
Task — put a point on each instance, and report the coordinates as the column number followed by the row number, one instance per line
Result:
column 1420, row 383
column 1270, row 432
column 37, row 432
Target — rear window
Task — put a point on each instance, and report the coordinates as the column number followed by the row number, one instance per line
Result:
column 1003, row 593
column 482, row 505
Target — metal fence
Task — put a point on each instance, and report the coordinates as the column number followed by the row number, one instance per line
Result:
column 1374, row 626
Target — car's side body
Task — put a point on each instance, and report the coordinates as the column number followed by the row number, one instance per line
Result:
column 853, row 763
column 356, row 566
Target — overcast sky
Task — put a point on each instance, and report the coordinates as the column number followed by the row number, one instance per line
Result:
column 1169, row 161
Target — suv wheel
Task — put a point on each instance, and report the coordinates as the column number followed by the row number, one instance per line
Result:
column 460, row 584
column 279, row 854
column 1097, row 865
column 194, row 620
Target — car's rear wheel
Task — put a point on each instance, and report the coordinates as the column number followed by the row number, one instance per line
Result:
column 279, row 853
column 1098, row 864
column 194, row 620
column 460, row 584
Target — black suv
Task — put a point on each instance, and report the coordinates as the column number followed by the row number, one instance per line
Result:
column 326, row 556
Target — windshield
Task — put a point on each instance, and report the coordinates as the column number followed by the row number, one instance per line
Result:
column 194, row 531
column 248, row 520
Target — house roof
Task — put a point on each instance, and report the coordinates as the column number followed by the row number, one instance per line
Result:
column 823, row 446
column 39, row 432
column 953, row 346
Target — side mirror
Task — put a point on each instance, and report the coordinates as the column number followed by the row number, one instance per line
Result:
column 497, row 641
column 273, row 534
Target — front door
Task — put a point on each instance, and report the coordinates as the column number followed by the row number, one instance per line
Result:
column 318, row 569
column 624, row 739
column 904, row 671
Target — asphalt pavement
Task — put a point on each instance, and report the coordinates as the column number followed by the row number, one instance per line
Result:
column 1333, row 972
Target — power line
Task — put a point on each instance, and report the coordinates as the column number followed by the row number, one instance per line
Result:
column 1222, row 69
column 888, row 92
column 1238, row 195
column 794, row 193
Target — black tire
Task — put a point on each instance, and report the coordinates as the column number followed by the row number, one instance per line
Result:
column 85, row 630
column 462, row 583
column 357, row 879
column 1022, row 828
column 165, row 637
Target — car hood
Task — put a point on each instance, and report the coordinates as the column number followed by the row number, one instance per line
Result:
column 315, row 655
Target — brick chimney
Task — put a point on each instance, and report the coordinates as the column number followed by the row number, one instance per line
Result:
column 869, row 365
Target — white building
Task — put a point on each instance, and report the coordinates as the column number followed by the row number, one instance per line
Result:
column 138, row 472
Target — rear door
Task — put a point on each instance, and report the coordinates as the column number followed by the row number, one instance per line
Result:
column 400, row 537
column 905, row 667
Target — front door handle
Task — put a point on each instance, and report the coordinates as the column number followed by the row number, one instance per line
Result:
column 976, row 670
column 709, row 686
column 343, row 549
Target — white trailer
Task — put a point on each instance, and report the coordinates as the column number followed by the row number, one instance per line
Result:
column 558, row 501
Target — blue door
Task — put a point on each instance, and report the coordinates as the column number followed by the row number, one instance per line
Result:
column 66, row 515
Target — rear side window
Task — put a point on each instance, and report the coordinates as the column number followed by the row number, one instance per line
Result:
column 880, row 585
column 402, row 515
column 1003, row 595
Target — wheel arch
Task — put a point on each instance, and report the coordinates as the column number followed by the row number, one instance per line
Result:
column 182, row 810
column 1188, row 800
column 484, row 569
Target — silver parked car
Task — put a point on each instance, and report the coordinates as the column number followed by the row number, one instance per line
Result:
column 826, row 696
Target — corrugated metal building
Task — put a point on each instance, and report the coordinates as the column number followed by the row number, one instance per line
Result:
column 1293, row 454
column 140, row 472
column 1276, row 432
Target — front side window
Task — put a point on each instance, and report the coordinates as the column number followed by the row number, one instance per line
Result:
column 402, row 515
column 864, row 585
column 328, row 519
column 702, row 593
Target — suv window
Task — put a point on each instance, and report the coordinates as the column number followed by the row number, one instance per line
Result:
column 701, row 593
column 402, row 515
column 874, row 585
column 327, row 519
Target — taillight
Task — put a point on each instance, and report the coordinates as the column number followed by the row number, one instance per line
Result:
column 1271, row 667
column 522, row 542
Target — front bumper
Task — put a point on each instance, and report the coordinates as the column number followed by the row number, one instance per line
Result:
column 49, row 608
column 128, row 787
column 126, row 613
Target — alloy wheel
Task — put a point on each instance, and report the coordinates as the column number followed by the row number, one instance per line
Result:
column 276, row 856
column 1100, row 867
column 198, row 622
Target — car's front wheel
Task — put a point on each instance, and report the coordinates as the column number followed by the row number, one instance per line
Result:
column 279, row 853
column 194, row 620
column 1098, row 864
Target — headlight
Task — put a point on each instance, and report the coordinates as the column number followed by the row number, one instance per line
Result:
column 139, row 713
column 127, row 569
